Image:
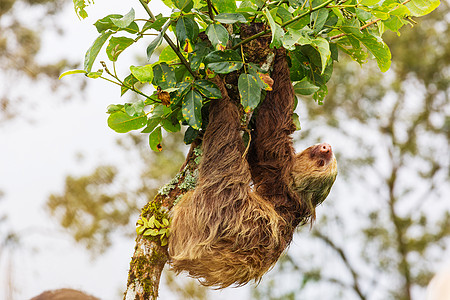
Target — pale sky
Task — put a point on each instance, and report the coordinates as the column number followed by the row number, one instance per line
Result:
column 37, row 153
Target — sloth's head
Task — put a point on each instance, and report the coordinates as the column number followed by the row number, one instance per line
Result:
column 313, row 174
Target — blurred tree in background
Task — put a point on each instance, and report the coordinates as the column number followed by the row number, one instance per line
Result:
column 383, row 235
column 96, row 205
column 21, row 26
column 382, row 232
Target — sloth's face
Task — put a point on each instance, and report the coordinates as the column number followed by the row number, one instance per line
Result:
column 314, row 172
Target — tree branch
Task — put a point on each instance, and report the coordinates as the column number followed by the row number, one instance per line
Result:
column 169, row 41
column 149, row 255
column 210, row 9
column 259, row 34
column 341, row 253
column 366, row 25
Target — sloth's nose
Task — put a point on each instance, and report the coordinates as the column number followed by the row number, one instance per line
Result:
column 324, row 148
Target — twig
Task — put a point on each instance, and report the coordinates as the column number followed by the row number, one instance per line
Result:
column 210, row 9
column 343, row 256
column 259, row 34
column 169, row 41
column 365, row 25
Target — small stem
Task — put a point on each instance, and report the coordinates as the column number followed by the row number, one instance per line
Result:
column 114, row 69
column 255, row 36
column 306, row 13
column 210, row 9
column 365, row 25
column 243, row 59
column 343, row 6
column 169, row 41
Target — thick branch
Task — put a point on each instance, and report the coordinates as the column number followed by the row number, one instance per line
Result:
column 150, row 256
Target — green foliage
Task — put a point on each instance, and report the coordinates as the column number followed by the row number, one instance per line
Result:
column 80, row 6
column 311, row 31
column 154, row 227
column 88, row 211
column 396, row 182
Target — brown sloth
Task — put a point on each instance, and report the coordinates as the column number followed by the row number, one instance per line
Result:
column 243, row 212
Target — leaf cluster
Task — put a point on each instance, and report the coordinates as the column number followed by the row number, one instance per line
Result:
column 153, row 227
column 208, row 42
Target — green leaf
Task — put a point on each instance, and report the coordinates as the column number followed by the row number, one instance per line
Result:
column 284, row 14
column 93, row 51
column 135, row 109
column 157, row 224
column 318, row 18
column 107, row 23
column 129, row 81
column 369, row 2
column 196, row 58
column 157, row 25
column 375, row 45
column 223, row 62
column 114, row 108
column 140, row 229
column 230, row 18
column 142, row 73
column 171, row 125
column 157, row 41
column 184, row 5
column 95, row 75
column 186, row 32
column 191, row 109
column 70, row 72
column 300, row 24
column 208, row 89
column 322, row 46
column 249, row 91
column 298, row 61
column 116, row 46
column 121, row 122
column 168, row 55
column 296, row 120
column 218, row 35
column 394, row 23
column 224, row 6
column 379, row 49
column 155, row 139
column 363, row 15
column 277, row 31
column 152, row 232
column 124, row 21
column 151, row 124
column 305, row 87
column 190, row 135
column 319, row 96
column 79, row 6
column 420, row 8
column 295, row 37
column 164, row 76
column 183, row 88
column 381, row 13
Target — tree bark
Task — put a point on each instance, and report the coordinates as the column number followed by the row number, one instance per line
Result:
column 149, row 255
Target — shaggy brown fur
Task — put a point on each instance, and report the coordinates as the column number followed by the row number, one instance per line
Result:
column 228, row 232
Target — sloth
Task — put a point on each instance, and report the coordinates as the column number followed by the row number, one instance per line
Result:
column 245, row 208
